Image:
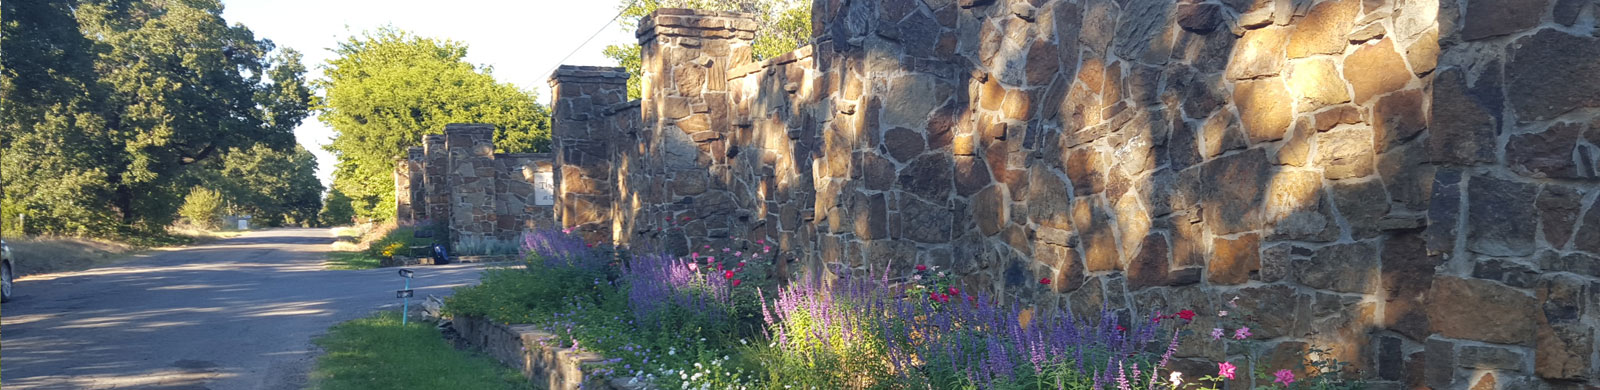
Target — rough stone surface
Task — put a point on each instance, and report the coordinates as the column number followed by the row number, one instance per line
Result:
column 1375, row 69
column 1234, row 259
column 1263, row 108
column 1349, row 268
column 1345, row 153
column 1259, row 53
column 1499, row 216
column 1463, row 128
column 1549, row 55
column 1323, row 30
column 1316, row 83
column 1488, row 18
column 1479, row 310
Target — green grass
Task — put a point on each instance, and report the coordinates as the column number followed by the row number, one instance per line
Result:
column 351, row 260
column 378, row 353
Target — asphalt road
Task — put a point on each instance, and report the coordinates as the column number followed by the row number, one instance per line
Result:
column 238, row 313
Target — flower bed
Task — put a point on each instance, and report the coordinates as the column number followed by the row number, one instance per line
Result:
column 714, row 320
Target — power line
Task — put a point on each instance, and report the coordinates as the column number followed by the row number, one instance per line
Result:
column 591, row 36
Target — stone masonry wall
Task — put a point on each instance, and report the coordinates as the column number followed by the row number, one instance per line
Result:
column 457, row 180
column 1409, row 183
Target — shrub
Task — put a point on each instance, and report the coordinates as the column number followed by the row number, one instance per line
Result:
column 202, row 208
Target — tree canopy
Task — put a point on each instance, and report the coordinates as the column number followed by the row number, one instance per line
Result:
column 785, row 25
column 388, row 87
column 106, row 105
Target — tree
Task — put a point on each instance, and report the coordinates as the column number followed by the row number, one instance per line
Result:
column 336, row 209
column 202, row 208
column 270, row 185
column 106, row 105
column 784, row 25
column 389, row 87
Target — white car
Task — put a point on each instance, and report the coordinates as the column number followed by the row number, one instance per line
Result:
column 7, row 272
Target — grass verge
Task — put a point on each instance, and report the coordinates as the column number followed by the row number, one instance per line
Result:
column 343, row 260
column 378, row 353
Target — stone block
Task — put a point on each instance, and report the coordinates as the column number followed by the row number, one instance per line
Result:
column 1323, row 29
column 1259, row 53
column 1463, row 125
column 1098, row 238
column 929, row 176
column 1345, row 153
column 1264, row 108
column 1480, row 310
column 1489, row 18
column 1049, row 200
column 1375, row 69
column 991, row 209
column 1549, row 153
column 1316, row 83
column 1398, row 117
column 903, row 144
column 1498, row 218
column 1363, row 204
column 1349, row 268
column 1150, row 265
column 1233, row 260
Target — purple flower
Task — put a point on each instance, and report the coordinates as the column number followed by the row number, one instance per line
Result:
column 1241, row 333
column 1216, row 333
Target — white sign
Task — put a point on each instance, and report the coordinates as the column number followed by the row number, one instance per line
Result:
column 544, row 189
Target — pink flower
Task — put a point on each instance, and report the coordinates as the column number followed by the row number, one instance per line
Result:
column 709, row 259
column 727, row 274
column 761, row 241
column 736, row 282
column 921, row 267
column 693, row 255
column 739, row 253
column 726, row 249
column 1223, row 313
column 954, row 291
column 1225, row 370
column 694, row 267
column 741, row 264
column 1044, row 281
column 1284, row 376
column 719, row 266
column 1216, row 333
column 1241, row 333
column 766, row 248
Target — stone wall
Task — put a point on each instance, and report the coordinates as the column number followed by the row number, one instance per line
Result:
column 457, row 180
column 1409, row 183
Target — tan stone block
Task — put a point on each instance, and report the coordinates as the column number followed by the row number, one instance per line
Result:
column 1316, row 84
column 1323, row 30
column 1264, row 108
column 1258, row 53
column 992, row 94
column 1345, row 153
column 1481, row 310
column 1423, row 55
column 1232, row 260
column 1375, row 69
column 1017, row 105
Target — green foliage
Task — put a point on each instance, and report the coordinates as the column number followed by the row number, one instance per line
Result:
column 272, row 186
column 398, row 242
column 784, row 25
column 202, row 208
column 388, row 87
column 106, row 106
column 379, row 353
column 341, row 260
column 481, row 246
column 336, row 209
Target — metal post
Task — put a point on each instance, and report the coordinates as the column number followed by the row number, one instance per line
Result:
column 405, row 310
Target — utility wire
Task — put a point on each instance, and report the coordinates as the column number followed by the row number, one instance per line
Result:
column 591, row 36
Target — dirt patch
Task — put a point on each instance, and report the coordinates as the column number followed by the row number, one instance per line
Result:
column 48, row 255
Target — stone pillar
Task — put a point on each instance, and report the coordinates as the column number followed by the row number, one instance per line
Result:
column 414, row 168
column 435, row 164
column 402, row 191
column 471, row 180
column 686, row 108
column 584, row 143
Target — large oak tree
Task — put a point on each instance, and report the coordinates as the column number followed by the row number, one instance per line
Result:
column 388, row 87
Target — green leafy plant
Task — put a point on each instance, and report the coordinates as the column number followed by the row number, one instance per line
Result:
column 202, row 208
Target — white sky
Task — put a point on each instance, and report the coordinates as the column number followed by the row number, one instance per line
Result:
column 522, row 40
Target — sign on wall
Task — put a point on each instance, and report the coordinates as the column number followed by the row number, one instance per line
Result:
column 544, row 188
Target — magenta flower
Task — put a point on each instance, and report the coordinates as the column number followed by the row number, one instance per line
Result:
column 1241, row 333
column 739, row 253
column 1284, row 376
column 1216, row 333
column 693, row 267
column 726, row 249
column 1225, row 370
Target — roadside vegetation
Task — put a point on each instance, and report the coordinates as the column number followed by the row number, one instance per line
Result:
column 378, row 352
column 364, row 246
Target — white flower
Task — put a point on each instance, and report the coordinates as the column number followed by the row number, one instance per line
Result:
column 743, row 342
column 1176, row 378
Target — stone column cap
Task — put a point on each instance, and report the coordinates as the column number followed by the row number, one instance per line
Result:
column 466, row 128
column 696, row 23
column 589, row 74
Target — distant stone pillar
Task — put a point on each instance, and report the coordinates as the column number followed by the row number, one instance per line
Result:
column 418, row 190
column 402, row 191
column 470, row 178
column 436, row 194
column 584, row 143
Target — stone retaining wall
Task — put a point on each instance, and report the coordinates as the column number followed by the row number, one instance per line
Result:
column 457, row 180
column 1412, row 184
column 524, row 347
